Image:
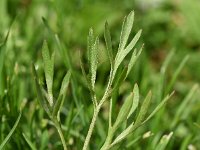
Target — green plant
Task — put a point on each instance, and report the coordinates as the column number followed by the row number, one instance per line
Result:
column 46, row 99
column 131, row 103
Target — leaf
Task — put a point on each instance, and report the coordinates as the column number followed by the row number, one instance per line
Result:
column 94, row 61
column 126, row 30
column 32, row 146
column 161, row 81
column 120, row 79
column 11, row 131
column 164, row 141
column 143, row 109
column 158, row 107
column 64, row 52
column 133, row 59
column 181, row 110
column 176, row 73
column 122, row 135
column 88, row 83
column 167, row 61
column 138, row 121
column 122, row 54
column 57, row 107
column 67, row 60
column 135, row 100
column 41, row 99
column 48, row 69
column 108, row 41
column 133, row 42
column 90, row 44
column 65, row 84
column 124, row 111
column 59, row 103
column 2, row 57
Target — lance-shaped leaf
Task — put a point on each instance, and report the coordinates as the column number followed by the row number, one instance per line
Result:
column 143, row 110
column 158, row 107
column 124, row 111
column 94, row 61
column 41, row 99
column 120, row 78
column 2, row 57
column 90, row 44
column 65, row 84
column 108, row 41
column 138, row 121
column 122, row 135
column 11, row 132
column 122, row 54
column 126, row 30
column 48, row 69
column 177, row 72
column 135, row 100
column 133, row 59
column 59, row 103
column 164, row 141
column 186, row 103
column 88, row 83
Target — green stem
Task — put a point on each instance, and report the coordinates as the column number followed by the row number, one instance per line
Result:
column 91, row 128
column 58, row 127
column 96, row 112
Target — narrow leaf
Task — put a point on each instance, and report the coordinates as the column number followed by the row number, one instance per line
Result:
column 126, row 30
column 88, row 83
column 120, row 78
column 41, row 99
column 108, row 41
column 122, row 135
column 48, row 68
column 143, row 109
column 177, row 72
column 59, row 103
column 133, row 42
column 32, row 146
column 184, row 105
column 158, row 107
column 90, row 44
column 124, row 111
column 94, row 61
column 135, row 100
column 133, row 59
column 11, row 131
column 163, row 142
column 65, row 83
column 122, row 54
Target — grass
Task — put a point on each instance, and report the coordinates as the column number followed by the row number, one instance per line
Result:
column 62, row 89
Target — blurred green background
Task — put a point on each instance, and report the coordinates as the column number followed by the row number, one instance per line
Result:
column 169, row 27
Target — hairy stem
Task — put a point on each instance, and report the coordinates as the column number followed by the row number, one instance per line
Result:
column 96, row 111
column 58, row 127
column 91, row 128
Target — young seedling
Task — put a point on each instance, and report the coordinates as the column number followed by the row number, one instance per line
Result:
column 123, row 51
column 46, row 98
column 131, row 103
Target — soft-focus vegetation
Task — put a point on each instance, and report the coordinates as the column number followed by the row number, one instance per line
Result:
column 52, row 79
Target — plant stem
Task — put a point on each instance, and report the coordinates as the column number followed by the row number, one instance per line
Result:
column 58, row 127
column 91, row 128
column 96, row 112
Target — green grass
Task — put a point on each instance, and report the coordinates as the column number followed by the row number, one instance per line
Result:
column 64, row 88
